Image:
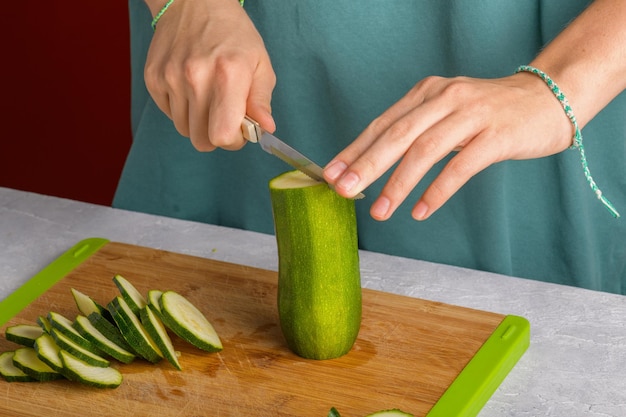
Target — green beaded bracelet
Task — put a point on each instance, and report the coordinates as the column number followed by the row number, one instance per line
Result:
column 578, row 137
column 164, row 9
column 161, row 13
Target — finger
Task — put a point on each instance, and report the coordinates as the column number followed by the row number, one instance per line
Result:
column 179, row 108
column 197, row 92
column 475, row 157
column 389, row 147
column 336, row 168
column 431, row 147
column 227, row 106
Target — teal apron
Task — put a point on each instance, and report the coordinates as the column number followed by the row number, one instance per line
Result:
column 339, row 64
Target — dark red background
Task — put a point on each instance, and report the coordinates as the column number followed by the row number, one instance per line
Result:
column 65, row 74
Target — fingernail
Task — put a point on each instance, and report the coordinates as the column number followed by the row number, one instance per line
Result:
column 348, row 181
column 420, row 210
column 334, row 170
column 380, row 208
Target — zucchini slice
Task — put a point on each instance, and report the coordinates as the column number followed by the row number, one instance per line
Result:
column 184, row 319
column 65, row 326
column 109, row 330
column 44, row 323
column 87, row 305
column 23, row 334
column 390, row 413
column 100, row 341
column 154, row 302
column 78, row 370
column 10, row 372
column 48, row 351
column 65, row 343
column 27, row 360
column 133, row 298
column 155, row 328
column 133, row 331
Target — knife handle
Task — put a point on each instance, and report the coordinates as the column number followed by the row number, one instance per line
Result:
column 251, row 130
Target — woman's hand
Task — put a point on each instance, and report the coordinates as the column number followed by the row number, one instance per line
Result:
column 486, row 121
column 206, row 68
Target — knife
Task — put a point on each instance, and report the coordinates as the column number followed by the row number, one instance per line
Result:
column 254, row 133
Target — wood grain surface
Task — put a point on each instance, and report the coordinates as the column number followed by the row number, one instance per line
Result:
column 408, row 352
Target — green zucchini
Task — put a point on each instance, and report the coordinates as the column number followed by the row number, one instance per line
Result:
column 130, row 294
column 333, row 412
column 184, row 319
column 83, row 372
column 27, row 360
column 157, row 331
column 110, row 331
column 48, row 351
column 67, row 344
column 133, row 331
column 319, row 285
column 390, row 413
column 63, row 325
column 23, row 334
column 87, row 305
column 10, row 372
column 100, row 341
column 44, row 323
column 154, row 302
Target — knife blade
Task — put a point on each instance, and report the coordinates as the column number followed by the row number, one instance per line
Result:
column 254, row 133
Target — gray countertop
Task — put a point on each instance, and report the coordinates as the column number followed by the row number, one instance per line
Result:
column 575, row 366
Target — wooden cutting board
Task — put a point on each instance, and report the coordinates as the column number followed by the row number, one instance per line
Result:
column 424, row 357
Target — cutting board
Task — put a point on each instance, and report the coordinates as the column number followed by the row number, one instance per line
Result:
column 424, row 357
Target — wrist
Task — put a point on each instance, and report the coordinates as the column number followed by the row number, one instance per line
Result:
column 155, row 6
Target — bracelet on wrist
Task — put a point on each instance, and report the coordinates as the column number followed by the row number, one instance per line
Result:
column 577, row 142
column 164, row 9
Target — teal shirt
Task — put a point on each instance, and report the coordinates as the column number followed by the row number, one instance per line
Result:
column 340, row 64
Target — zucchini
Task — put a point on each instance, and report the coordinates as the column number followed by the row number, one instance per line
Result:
column 133, row 331
column 101, row 342
column 67, row 344
column 63, row 325
column 390, row 413
column 319, row 284
column 133, row 298
column 184, row 319
column 10, row 372
column 157, row 331
column 110, row 331
column 48, row 351
column 333, row 412
column 87, row 305
column 154, row 302
column 27, row 360
column 23, row 334
column 44, row 323
column 78, row 370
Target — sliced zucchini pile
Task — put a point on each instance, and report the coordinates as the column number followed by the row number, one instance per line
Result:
column 130, row 326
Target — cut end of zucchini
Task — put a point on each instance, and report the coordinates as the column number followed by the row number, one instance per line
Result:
column 133, row 331
column 184, row 319
column 78, row 370
column 27, row 360
column 131, row 295
column 10, row 372
column 293, row 179
column 23, row 334
column 155, row 328
column 101, row 342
